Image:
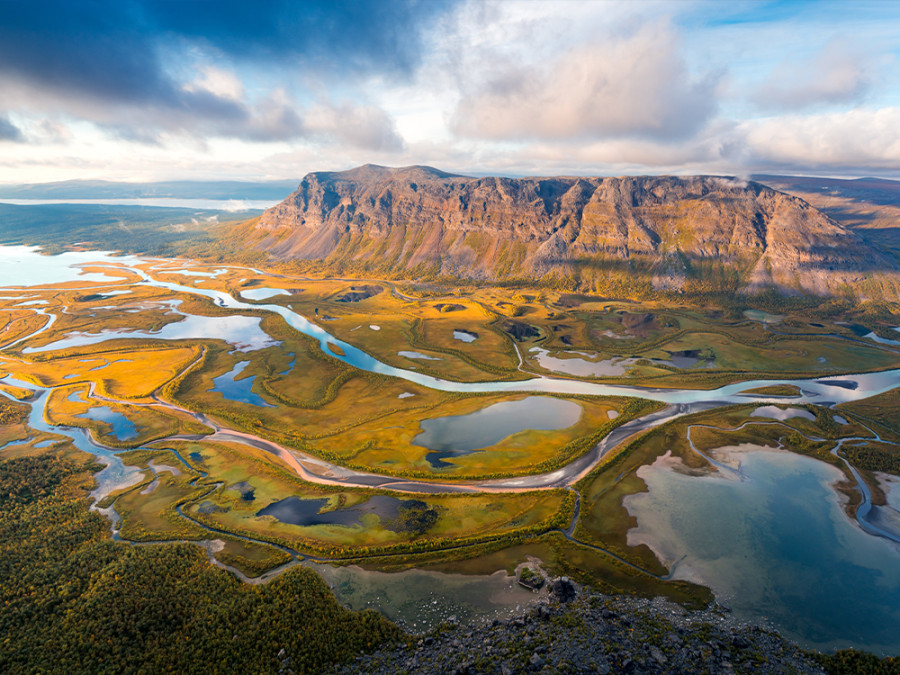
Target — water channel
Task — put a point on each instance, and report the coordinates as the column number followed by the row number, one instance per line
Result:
column 673, row 512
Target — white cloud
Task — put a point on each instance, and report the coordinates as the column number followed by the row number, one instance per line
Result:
column 854, row 139
column 217, row 81
column 836, row 74
column 635, row 85
column 358, row 126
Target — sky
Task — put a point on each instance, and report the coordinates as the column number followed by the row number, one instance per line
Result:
column 142, row 90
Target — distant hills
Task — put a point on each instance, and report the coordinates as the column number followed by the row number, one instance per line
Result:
column 697, row 234
column 100, row 189
column 872, row 190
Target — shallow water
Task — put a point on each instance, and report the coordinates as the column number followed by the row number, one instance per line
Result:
column 239, row 390
column 763, row 317
column 242, row 332
column 24, row 266
column 196, row 273
column 305, row 512
column 581, row 367
column 880, row 340
column 458, row 435
column 47, row 269
column 113, row 476
column 263, row 293
column 776, row 413
column 418, row 355
column 420, row 600
column 122, row 427
column 287, row 371
column 777, row 545
column 464, row 336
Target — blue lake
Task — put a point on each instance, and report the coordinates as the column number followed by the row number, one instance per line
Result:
column 305, row 512
column 122, row 427
column 775, row 544
column 458, row 435
column 238, row 390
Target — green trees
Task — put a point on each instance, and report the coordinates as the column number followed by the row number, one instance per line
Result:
column 75, row 601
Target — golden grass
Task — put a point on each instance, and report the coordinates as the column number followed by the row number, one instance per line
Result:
column 388, row 444
column 132, row 374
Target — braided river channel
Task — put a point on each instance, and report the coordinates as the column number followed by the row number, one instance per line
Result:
column 767, row 532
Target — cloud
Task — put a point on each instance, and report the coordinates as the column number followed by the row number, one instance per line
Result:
column 114, row 48
column 9, row 131
column 359, row 126
column 857, row 139
column 345, row 36
column 834, row 75
column 218, row 82
column 146, row 64
column 637, row 85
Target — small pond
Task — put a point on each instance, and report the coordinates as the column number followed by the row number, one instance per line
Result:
column 763, row 317
column 248, row 493
column 290, row 365
column 122, row 427
column 776, row 413
column 239, row 390
column 458, row 435
column 262, row 293
column 582, row 367
column 398, row 515
column 418, row 355
column 464, row 335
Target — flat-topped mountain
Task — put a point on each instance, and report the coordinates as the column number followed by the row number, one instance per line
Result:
column 700, row 232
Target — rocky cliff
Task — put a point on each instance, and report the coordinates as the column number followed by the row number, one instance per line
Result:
column 703, row 232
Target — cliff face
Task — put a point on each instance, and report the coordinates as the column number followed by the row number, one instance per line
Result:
column 418, row 220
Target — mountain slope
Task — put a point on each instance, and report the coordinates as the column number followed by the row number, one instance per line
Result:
column 702, row 232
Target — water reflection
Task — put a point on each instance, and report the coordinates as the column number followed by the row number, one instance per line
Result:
column 776, row 545
column 458, row 435
column 239, row 390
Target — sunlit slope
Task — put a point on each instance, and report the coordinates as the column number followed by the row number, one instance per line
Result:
column 698, row 234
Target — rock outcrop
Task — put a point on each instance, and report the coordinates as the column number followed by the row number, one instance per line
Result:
column 710, row 232
column 603, row 634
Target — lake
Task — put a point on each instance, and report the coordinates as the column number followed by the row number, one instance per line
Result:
column 458, row 435
column 774, row 543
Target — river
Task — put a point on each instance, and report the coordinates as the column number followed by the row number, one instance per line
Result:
column 23, row 268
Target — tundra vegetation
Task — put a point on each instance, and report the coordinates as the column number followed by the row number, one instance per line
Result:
column 201, row 480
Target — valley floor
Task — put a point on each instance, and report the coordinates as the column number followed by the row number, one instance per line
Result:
column 273, row 420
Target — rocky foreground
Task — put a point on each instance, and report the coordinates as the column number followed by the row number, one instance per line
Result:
column 586, row 632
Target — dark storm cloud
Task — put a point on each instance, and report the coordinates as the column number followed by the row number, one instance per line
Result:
column 113, row 51
column 9, row 131
column 103, row 49
column 110, row 48
column 349, row 35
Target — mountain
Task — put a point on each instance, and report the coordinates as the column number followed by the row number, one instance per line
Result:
column 871, row 190
column 868, row 206
column 704, row 233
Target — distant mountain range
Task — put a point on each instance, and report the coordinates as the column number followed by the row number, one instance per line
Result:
column 700, row 233
column 871, row 190
column 100, row 189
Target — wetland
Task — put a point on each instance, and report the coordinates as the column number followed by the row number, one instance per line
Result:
column 704, row 452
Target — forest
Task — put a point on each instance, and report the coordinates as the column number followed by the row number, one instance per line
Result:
column 76, row 601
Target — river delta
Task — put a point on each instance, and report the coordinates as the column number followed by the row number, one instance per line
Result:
column 418, row 466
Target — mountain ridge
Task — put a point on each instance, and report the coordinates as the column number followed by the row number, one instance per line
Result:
column 716, row 233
